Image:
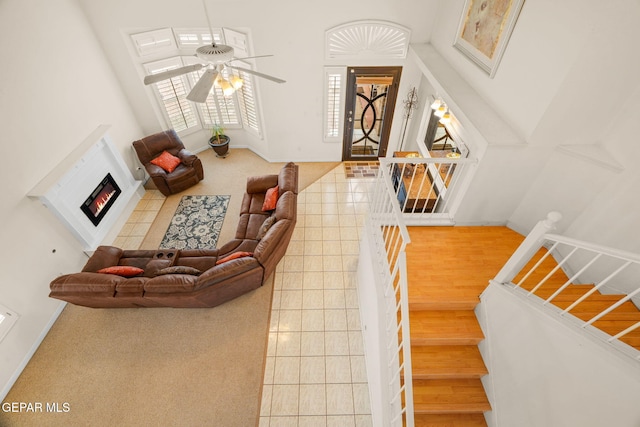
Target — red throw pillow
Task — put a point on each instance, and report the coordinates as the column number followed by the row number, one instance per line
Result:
column 166, row 161
column 234, row 256
column 122, row 270
column 270, row 199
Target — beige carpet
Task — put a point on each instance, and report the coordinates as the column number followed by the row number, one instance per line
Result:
column 160, row 366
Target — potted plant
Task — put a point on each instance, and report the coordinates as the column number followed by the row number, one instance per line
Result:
column 219, row 141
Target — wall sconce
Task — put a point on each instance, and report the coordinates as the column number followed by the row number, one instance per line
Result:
column 442, row 109
column 446, row 118
column 436, row 104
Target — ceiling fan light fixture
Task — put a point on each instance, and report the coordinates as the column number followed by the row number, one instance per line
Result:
column 227, row 88
column 215, row 53
column 236, row 82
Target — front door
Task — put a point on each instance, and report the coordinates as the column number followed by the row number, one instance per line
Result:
column 370, row 100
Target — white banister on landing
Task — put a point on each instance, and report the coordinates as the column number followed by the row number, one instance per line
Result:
column 591, row 286
column 427, row 190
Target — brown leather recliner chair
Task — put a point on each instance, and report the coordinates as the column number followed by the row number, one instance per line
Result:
column 188, row 173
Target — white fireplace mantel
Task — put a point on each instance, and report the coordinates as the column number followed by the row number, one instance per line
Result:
column 65, row 188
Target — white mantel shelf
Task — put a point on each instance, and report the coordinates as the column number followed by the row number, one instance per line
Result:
column 463, row 99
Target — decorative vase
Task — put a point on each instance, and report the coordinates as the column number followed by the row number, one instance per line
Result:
column 222, row 148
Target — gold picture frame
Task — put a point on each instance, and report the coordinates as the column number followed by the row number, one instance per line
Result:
column 484, row 30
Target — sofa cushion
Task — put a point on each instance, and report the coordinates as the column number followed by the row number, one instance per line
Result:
column 179, row 269
column 170, row 283
column 288, row 178
column 152, row 267
column 287, row 207
column 260, row 184
column 223, row 272
column 233, row 256
column 270, row 199
column 121, row 270
column 85, row 282
column 266, row 225
column 103, row 256
column 166, row 161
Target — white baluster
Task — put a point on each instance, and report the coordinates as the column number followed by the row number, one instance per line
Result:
column 531, row 244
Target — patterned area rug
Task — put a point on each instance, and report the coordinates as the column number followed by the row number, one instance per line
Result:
column 197, row 222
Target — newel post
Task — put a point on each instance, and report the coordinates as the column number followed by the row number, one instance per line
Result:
column 531, row 244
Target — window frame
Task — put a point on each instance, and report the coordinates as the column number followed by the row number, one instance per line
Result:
column 181, row 51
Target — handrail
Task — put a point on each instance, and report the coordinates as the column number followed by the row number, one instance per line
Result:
column 546, row 265
column 427, row 189
column 389, row 237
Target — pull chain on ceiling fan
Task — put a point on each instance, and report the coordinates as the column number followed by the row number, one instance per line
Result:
column 217, row 57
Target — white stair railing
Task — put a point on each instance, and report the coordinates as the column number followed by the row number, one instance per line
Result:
column 428, row 190
column 607, row 271
column 389, row 236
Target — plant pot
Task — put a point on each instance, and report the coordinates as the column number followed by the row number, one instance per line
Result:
column 221, row 149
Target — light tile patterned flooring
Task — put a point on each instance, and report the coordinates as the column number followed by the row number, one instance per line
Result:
column 139, row 222
column 315, row 372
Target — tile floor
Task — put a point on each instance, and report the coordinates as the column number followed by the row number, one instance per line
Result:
column 315, row 371
column 139, row 222
column 361, row 169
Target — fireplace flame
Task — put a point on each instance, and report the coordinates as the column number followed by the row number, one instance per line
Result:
column 102, row 202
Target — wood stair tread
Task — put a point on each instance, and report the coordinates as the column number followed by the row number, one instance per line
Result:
column 440, row 361
column 447, row 396
column 444, row 327
column 450, row 420
column 460, row 300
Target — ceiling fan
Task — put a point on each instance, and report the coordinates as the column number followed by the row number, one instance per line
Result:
column 216, row 58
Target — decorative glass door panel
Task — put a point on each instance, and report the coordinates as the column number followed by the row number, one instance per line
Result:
column 370, row 99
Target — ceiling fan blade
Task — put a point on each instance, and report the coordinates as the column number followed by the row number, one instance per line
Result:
column 202, row 88
column 155, row 78
column 250, row 57
column 266, row 76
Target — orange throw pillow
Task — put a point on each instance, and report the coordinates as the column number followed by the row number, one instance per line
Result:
column 166, row 161
column 234, row 256
column 122, row 270
column 270, row 199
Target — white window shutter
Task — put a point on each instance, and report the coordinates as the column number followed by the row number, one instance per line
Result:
column 247, row 95
column 172, row 95
column 153, row 42
column 192, row 38
column 334, row 89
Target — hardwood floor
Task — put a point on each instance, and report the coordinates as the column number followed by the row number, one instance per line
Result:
column 448, row 268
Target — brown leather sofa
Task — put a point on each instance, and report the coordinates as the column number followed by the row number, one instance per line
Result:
column 187, row 174
column 215, row 284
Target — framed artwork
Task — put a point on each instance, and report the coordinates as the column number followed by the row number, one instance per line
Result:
column 484, row 30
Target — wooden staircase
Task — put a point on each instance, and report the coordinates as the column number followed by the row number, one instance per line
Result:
column 448, row 268
column 612, row 323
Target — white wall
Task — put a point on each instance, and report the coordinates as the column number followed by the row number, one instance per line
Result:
column 568, row 76
column 292, row 31
column 543, row 374
column 57, row 89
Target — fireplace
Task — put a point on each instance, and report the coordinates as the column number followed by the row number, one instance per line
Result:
column 96, row 206
column 92, row 191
